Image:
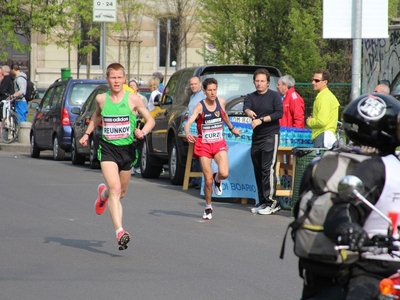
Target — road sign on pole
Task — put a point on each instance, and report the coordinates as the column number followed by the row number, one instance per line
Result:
column 104, row 10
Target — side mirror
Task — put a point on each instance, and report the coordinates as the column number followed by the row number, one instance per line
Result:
column 76, row 110
column 34, row 105
column 348, row 185
column 351, row 188
column 157, row 100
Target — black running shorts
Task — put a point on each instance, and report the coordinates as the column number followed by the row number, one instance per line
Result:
column 123, row 156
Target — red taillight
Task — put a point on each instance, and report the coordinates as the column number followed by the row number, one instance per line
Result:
column 65, row 121
column 390, row 286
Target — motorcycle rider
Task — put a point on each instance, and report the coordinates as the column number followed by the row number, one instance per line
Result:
column 371, row 120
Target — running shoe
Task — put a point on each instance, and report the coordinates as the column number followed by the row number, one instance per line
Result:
column 207, row 214
column 257, row 207
column 100, row 204
column 217, row 186
column 123, row 239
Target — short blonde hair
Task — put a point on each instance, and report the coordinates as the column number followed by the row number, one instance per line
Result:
column 153, row 83
column 115, row 67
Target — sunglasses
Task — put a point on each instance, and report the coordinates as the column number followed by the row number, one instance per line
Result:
column 316, row 80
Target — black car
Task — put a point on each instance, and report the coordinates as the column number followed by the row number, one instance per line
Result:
column 52, row 124
column 80, row 154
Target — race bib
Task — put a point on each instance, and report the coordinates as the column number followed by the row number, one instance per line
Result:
column 212, row 133
column 117, row 127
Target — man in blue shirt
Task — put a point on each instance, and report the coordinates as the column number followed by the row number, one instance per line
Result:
column 196, row 97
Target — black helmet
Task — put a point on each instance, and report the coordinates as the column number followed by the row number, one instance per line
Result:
column 371, row 120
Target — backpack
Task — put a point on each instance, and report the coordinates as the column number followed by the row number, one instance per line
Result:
column 311, row 245
column 31, row 91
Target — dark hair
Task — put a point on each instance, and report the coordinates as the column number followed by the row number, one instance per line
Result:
column 209, row 81
column 159, row 75
column 135, row 81
column 261, row 71
column 15, row 67
column 325, row 74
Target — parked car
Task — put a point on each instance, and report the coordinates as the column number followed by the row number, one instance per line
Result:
column 52, row 124
column 145, row 91
column 80, row 154
column 164, row 145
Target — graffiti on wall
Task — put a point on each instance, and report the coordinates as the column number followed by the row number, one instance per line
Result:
column 381, row 59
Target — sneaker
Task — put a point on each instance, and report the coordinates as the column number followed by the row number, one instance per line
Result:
column 207, row 214
column 137, row 171
column 258, row 207
column 162, row 172
column 217, row 186
column 133, row 171
column 100, row 204
column 270, row 209
column 123, row 239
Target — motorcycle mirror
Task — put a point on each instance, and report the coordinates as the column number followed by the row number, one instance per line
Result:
column 348, row 185
column 351, row 188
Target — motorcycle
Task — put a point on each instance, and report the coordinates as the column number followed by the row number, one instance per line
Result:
column 351, row 187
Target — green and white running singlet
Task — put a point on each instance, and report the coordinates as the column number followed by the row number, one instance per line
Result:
column 119, row 122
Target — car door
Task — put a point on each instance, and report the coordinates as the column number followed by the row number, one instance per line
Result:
column 39, row 122
column 82, row 121
column 159, row 133
column 53, row 115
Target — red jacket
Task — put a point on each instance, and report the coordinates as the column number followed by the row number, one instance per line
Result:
column 293, row 110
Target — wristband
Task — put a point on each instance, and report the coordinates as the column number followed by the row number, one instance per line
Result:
column 230, row 129
column 144, row 133
column 88, row 134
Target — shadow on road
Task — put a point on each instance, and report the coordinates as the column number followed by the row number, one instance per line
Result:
column 80, row 244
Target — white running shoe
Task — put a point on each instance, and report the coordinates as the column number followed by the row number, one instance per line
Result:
column 217, row 186
column 258, row 207
column 207, row 214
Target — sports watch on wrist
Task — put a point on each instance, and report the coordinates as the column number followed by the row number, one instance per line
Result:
column 262, row 119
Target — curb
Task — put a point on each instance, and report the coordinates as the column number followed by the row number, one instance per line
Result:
column 15, row 147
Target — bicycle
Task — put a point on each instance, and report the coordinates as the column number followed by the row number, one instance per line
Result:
column 10, row 124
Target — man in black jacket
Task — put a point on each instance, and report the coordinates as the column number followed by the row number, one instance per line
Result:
column 7, row 84
column 264, row 107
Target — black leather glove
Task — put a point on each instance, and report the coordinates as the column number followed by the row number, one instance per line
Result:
column 353, row 235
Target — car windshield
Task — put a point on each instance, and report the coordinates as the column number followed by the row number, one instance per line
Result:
column 231, row 85
column 80, row 92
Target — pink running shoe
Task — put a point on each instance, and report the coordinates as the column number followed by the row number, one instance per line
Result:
column 100, row 204
column 123, row 239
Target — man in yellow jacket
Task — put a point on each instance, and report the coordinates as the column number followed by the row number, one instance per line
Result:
column 325, row 114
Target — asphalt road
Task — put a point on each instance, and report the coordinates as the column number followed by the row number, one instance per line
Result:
column 53, row 245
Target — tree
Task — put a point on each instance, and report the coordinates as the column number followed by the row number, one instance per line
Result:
column 126, row 31
column 22, row 17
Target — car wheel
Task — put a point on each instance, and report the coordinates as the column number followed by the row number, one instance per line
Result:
column 93, row 161
column 176, row 169
column 35, row 152
column 148, row 170
column 76, row 159
column 58, row 152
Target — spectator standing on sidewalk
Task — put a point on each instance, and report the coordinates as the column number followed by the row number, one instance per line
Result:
column 7, row 84
column 20, row 84
column 325, row 113
column 210, row 144
column 117, row 110
column 264, row 107
column 382, row 89
column 293, row 103
column 195, row 98
column 160, row 77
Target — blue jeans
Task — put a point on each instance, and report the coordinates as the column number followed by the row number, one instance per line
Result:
column 21, row 108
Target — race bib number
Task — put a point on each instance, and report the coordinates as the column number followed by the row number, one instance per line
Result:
column 117, row 127
column 212, row 133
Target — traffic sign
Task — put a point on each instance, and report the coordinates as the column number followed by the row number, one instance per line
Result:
column 104, row 11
